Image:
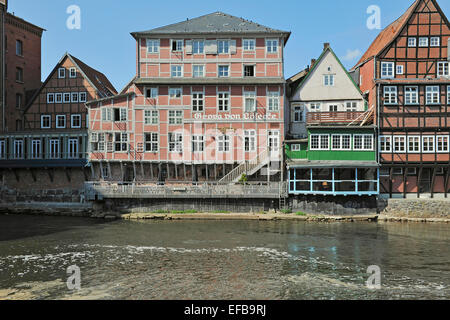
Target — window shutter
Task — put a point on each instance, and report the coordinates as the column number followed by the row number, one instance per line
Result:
column 211, row 47
column 188, row 46
column 233, row 47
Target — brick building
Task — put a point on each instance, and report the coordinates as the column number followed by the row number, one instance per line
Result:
column 207, row 105
column 21, row 54
column 405, row 73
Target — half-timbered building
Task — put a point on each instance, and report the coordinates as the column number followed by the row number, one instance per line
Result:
column 405, row 73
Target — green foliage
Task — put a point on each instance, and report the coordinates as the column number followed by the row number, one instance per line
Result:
column 286, row 211
column 243, row 179
column 301, row 214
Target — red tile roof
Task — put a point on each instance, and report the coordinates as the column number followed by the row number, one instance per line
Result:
column 387, row 35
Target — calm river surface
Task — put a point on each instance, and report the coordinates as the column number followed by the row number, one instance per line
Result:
column 221, row 259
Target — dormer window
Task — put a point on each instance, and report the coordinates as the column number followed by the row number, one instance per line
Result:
column 387, row 70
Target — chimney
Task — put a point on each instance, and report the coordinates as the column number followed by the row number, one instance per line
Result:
column 313, row 62
column 326, row 45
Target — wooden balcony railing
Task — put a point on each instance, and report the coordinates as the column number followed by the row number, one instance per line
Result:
column 335, row 117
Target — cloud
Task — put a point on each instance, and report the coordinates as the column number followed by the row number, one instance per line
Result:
column 351, row 54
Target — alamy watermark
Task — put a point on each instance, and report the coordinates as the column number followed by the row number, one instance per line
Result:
column 74, row 280
column 374, row 20
column 74, row 20
column 374, row 281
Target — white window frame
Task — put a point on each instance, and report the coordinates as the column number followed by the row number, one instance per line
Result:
column 416, row 142
column 273, row 101
column 151, row 117
column 74, row 97
column 72, row 119
column 198, row 143
column 315, row 107
column 364, row 138
column 223, row 143
column 54, row 149
column 179, row 45
column 411, row 92
column 250, row 141
column 448, row 95
column 83, row 97
column 390, row 92
column 431, row 139
column 175, row 97
column 299, row 113
column 18, row 151
column 296, row 147
column 58, row 97
column 46, row 116
column 328, row 80
column 322, row 138
column 249, row 45
column 50, row 98
column 178, row 72
column 175, row 142
column 225, row 99
column 223, row 75
column 36, row 149
column 399, row 138
column 175, row 117
column 67, row 97
column 153, row 143
column 270, row 45
column 250, row 95
column 443, row 69
column 74, row 75
column 58, row 117
column 387, row 70
column 106, row 113
column 400, row 69
column 223, row 46
column 153, row 46
column 434, row 43
column 196, row 74
column 423, row 42
column 430, row 95
column 385, row 144
column 61, row 73
column 441, row 149
column 201, row 49
column 153, row 92
column 412, row 42
column 198, row 102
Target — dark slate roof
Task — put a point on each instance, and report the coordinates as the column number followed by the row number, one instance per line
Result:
column 210, row 81
column 217, row 22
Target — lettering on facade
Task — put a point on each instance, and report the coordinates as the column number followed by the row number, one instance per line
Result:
column 235, row 117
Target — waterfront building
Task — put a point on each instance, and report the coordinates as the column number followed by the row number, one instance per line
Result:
column 206, row 105
column 405, row 73
column 331, row 145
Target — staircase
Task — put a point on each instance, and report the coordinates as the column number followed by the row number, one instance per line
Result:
column 247, row 167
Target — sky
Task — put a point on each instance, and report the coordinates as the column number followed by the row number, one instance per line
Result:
column 104, row 41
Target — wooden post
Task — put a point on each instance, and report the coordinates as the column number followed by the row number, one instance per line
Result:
column 433, row 180
column 446, row 182
column 404, row 182
column 419, row 177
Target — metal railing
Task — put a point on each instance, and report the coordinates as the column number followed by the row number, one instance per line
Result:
column 247, row 167
column 44, row 156
column 330, row 117
column 103, row 190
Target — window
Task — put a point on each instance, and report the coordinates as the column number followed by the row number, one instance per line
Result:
column 175, row 93
column 320, row 142
column 423, row 42
column 151, row 142
column 224, row 71
column 73, row 149
column 413, row 144
column 198, row 46
column 411, row 95
column 175, row 117
column 72, row 73
column 296, row 148
column 151, row 93
column 223, row 143
column 197, row 102
column 397, row 171
column 66, row 97
column 384, row 172
column 19, row 100
column 328, row 80
column 18, row 149
column 340, row 142
column 315, row 107
column 390, row 95
column 106, row 114
column 61, row 73
column 448, row 94
column 428, row 144
column 54, row 149
column 442, row 143
column 299, row 114
column 176, row 71
column 399, row 144
column 58, row 97
column 198, row 143
column 223, row 101
column 399, row 69
column 274, row 101
column 223, row 46
column 120, row 114
column 177, row 45
column 249, row 71
column 432, row 95
column 435, row 41
column 175, row 142
column 351, row 106
column 363, row 142
column 46, row 121
column 411, row 171
column 152, row 46
column 50, row 98
column 385, row 144
column 83, row 97
column 74, row 97
column 272, row 46
column 19, row 48
column 250, row 141
column 333, row 107
column 249, row 44
column 250, row 101
column 387, row 70
column 19, row 74
column 443, row 69
column 198, row 71
column 75, row 120
column 412, row 42
column 151, row 117
column 60, row 121
column 121, row 142
column 36, row 149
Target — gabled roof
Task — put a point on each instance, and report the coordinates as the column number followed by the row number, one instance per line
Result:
column 96, row 79
column 313, row 68
column 217, row 22
column 390, row 33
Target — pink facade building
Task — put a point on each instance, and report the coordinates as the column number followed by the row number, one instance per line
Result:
column 207, row 104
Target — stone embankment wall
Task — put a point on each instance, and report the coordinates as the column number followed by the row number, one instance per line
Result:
column 339, row 205
column 417, row 208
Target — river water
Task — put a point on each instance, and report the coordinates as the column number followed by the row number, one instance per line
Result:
column 221, row 259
